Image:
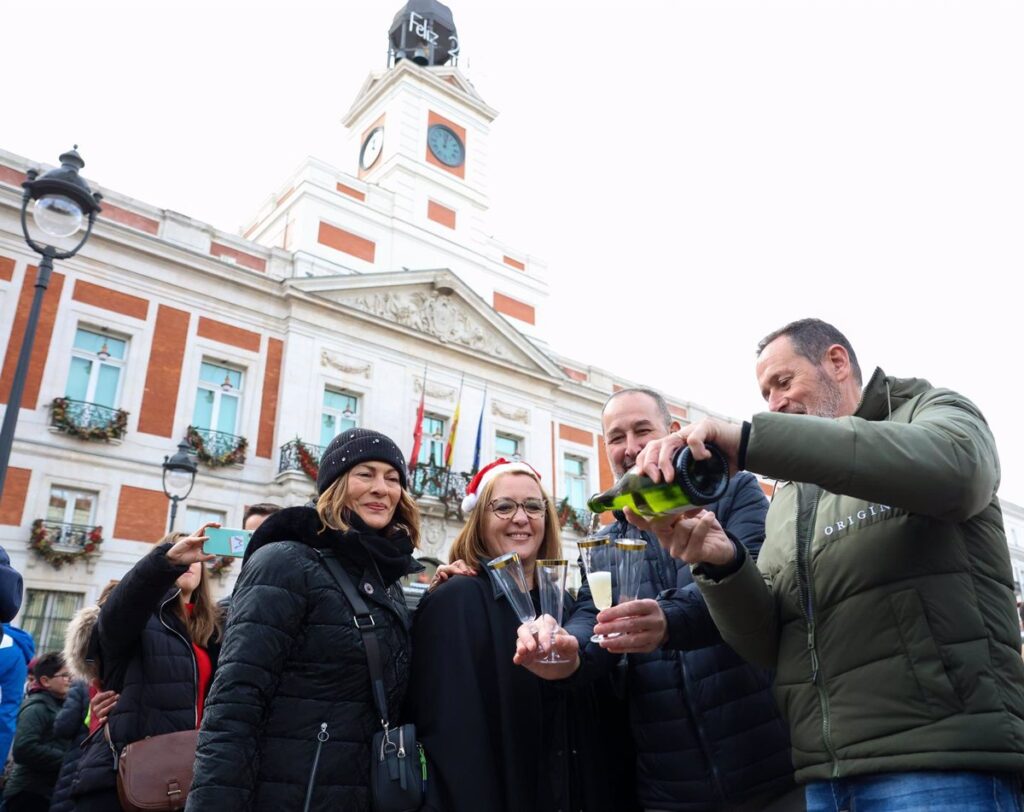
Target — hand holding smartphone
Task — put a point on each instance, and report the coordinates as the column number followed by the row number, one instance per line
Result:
column 225, row 541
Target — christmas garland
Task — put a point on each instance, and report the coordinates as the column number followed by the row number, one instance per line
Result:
column 218, row 565
column 307, row 462
column 235, row 456
column 40, row 542
column 567, row 515
column 114, row 430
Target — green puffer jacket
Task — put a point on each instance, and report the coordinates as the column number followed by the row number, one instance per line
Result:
column 889, row 612
column 37, row 750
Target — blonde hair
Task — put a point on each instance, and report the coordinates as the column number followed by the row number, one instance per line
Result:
column 469, row 544
column 332, row 506
column 205, row 619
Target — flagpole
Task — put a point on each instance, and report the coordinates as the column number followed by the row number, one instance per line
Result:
column 450, row 451
column 479, row 433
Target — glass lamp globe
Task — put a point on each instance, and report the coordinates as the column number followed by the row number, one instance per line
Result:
column 57, row 215
column 177, row 481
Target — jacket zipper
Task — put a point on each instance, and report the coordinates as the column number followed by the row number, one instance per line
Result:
column 687, row 697
column 805, row 587
column 321, row 737
column 188, row 645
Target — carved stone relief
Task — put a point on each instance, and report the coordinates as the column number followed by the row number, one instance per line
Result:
column 433, row 533
column 435, row 390
column 328, row 360
column 515, row 413
column 439, row 316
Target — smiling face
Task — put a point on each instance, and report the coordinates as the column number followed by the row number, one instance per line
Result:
column 630, row 421
column 520, row 533
column 792, row 384
column 373, row 490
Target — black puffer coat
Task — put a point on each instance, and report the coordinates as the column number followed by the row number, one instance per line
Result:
column 70, row 724
column 147, row 657
column 706, row 728
column 293, row 665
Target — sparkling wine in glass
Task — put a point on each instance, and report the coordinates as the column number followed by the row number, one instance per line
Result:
column 550, row 574
column 598, row 562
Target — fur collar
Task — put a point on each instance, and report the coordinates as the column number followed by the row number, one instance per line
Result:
column 76, row 643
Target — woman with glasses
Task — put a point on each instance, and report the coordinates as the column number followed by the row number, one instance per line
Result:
column 157, row 639
column 497, row 737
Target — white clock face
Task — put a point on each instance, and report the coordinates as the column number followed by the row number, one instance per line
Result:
column 372, row 147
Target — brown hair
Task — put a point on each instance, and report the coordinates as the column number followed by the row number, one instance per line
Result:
column 469, row 544
column 105, row 592
column 331, row 508
column 205, row 619
column 259, row 509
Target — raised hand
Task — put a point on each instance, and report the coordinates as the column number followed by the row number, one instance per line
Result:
column 535, row 639
column 695, row 537
column 188, row 550
column 641, row 624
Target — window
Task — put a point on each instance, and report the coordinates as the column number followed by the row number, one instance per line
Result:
column 196, row 517
column 218, row 398
column 47, row 615
column 97, row 360
column 432, row 450
column 507, row 446
column 341, row 412
column 69, row 506
column 575, row 469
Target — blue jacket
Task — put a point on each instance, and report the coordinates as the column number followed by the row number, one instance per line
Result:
column 706, row 729
column 16, row 650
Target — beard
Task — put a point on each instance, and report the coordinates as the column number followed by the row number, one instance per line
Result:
column 830, row 399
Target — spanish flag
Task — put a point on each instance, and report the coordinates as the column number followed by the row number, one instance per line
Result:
column 449, row 450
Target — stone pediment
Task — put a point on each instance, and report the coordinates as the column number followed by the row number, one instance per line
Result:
column 435, row 304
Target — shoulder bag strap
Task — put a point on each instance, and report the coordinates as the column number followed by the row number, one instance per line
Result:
column 363, row 621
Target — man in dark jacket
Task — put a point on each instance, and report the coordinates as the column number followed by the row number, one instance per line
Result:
column 707, row 732
column 37, row 750
column 883, row 594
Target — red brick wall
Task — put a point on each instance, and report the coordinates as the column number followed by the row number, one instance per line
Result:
column 6, row 268
column 109, row 299
column 41, row 346
column 440, row 214
column 228, row 334
column 348, row 190
column 514, row 308
column 240, row 257
column 141, row 514
column 163, row 376
column 346, row 241
column 515, row 263
column 268, row 408
column 12, row 503
column 129, row 218
column 575, row 435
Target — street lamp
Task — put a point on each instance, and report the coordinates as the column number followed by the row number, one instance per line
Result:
column 179, row 477
column 62, row 198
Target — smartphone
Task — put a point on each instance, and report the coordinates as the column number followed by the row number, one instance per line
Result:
column 224, row 541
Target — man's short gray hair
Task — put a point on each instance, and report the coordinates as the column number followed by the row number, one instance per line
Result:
column 659, row 401
column 811, row 338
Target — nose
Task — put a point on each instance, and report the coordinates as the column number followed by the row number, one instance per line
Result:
column 634, row 445
column 519, row 516
column 379, row 485
column 776, row 402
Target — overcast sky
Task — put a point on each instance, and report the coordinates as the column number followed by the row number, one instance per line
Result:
column 694, row 173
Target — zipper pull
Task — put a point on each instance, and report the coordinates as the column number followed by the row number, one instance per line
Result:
column 323, row 735
column 401, row 741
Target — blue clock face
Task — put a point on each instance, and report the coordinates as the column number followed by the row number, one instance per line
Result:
column 445, row 145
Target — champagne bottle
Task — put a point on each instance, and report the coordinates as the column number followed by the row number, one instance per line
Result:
column 697, row 482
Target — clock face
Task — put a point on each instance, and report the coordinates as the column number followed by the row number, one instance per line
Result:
column 445, row 145
column 372, row 146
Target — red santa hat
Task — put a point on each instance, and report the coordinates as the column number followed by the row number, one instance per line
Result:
column 491, row 472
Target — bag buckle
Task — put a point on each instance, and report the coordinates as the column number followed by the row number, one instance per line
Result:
column 361, row 622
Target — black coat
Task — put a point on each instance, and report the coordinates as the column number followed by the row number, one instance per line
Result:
column 497, row 738
column 70, row 725
column 706, row 728
column 146, row 656
column 292, row 663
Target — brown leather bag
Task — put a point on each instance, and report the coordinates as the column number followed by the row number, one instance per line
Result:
column 154, row 774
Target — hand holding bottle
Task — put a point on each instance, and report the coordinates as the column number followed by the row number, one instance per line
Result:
column 656, row 459
column 695, row 537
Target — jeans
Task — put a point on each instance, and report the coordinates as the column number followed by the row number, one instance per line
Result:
column 918, row 792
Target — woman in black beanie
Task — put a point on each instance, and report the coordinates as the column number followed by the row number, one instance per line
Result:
column 290, row 716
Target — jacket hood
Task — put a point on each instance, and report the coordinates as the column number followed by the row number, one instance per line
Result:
column 21, row 640
column 291, row 524
column 883, row 394
column 77, row 652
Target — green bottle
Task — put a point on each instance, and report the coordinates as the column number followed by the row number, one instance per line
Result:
column 697, row 482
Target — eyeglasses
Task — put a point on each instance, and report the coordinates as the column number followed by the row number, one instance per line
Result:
column 507, row 508
column 63, row 675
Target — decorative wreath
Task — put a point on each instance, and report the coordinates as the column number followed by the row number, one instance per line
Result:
column 567, row 515
column 114, row 430
column 235, row 456
column 41, row 542
column 219, row 565
column 307, row 462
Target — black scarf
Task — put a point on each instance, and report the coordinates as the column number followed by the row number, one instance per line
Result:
column 389, row 551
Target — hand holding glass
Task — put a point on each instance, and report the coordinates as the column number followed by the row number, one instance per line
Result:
column 600, row 559
column 550, row 575
column 507, row 570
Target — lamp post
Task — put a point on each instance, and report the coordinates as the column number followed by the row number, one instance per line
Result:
column 62, row 198
column 179, row 477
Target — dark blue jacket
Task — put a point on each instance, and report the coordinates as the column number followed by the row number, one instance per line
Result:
column 706, row 729
column 16, row 651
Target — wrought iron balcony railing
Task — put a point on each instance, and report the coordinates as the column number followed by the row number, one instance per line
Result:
column 217, row 448
column 90, row 421
column 297, row 455
column 574, row 518
column 445, row 485
column 69, row 536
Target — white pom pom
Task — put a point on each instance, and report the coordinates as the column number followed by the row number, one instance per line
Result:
column 469, row 502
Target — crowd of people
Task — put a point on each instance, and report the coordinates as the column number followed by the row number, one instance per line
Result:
column 852, row 644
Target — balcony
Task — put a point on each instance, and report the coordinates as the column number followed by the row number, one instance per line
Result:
column 443, row 484
column 297, row 455
column 88, row 421
column 60, row 543
column 217, row 448
column 575, row 518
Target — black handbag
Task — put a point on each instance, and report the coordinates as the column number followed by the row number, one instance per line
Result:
column 398, row 766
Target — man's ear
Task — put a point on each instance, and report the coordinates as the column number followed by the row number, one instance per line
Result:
column 674, row 426
column 837, row 363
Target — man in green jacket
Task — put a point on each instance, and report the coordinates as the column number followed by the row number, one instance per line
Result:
column 883, row 594
column 37, row 751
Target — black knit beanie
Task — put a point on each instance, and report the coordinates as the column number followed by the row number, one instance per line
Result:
column 354, row 446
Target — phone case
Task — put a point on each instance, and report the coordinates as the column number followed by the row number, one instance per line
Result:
column 225, row 541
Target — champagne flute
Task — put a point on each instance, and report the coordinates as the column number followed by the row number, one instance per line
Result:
column 550, row 574
column 598, row 562
column 507, row 570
